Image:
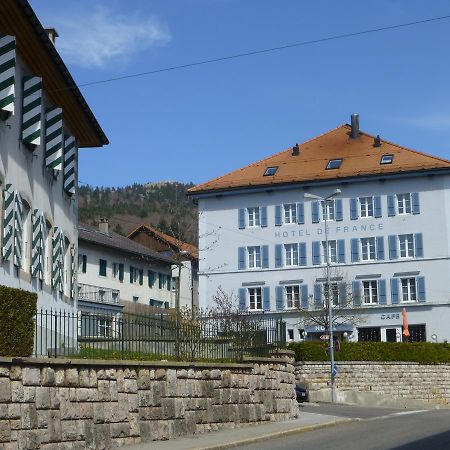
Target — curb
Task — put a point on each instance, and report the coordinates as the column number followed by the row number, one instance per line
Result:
column 277, row 434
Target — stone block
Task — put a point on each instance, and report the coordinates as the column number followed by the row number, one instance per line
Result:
column 86, row 410
column 99, row 413
column 3, row 411
column 133, row 402
column 59, row 377
column 144, row 379
column 43, row 398
column 42, row 418
column 160, row 374
column 171, row 382
column 29, row 439
column 5, row 431
column 215, row 374
column 130, row 386
column 145, row 398
column 120, row 430
column 15, row 373
column 31, row 376
column 83, row 378
column 47, row 376
column 159, row 391
column 5, row 390
column 54, row 398
column 134, row 424
column 28, row 416
column 102, row 436
column 104, row 394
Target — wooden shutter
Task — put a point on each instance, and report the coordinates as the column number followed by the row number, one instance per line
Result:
column 32, row 110
column 354, row 247
column 304, row 296
column 278, row 255
column 341, row 251
column 263, row 213
column 315, row 212
column 377, row 206
column 391, row 205
column 339, row 212
column 241, row 258
column 266, row 298
column 279, row 294
column 300, row 213
column 380, row 248
column 353, row 208
column 265, row 256
column 70, row 165
column 316, row 253
column 382, row 292
column 394, row 291
column 393, row 252
column 241, row 218
column 7, row 73
column 278, row 220
column 302, row 254
column 421, row 297
column 418, row 243
column 356, row 291
column 54, row 139
column 415, row 205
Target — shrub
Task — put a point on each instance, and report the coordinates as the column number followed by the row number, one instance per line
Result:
column 421, row 352
column 17, row 311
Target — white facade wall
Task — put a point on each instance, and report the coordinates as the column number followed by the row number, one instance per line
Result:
column 25, row 170
column 219, row 221
column 128, row 291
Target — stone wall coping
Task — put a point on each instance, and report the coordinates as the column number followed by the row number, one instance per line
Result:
column 381, row 363
column 131, row 363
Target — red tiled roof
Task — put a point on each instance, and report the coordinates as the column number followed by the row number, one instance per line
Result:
column 359, row 158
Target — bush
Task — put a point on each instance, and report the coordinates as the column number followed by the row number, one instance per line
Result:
column 421, row 352
column 17, row 311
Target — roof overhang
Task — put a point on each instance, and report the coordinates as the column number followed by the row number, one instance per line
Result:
column 18, row 19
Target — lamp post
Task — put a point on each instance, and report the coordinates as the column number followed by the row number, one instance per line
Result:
column 178, row 323
column 330, row 303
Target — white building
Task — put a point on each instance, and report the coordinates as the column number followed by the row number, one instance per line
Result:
column 118, row 275
column 44, row 120
column 389, row 232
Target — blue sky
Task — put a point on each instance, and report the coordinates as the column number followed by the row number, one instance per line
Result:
column 198, row 123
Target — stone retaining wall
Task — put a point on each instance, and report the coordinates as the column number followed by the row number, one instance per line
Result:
column 63, row 404
column 398, row 380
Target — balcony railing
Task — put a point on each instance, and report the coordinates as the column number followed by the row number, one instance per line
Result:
column 97, row 294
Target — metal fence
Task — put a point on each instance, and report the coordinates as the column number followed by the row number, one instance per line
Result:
column 164, row 336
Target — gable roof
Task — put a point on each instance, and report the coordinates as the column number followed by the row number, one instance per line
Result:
column 359, row 158
column 172, row 242
column 18, row 19
column 116, row 241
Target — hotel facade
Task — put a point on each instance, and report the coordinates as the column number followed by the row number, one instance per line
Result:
column 388, row 231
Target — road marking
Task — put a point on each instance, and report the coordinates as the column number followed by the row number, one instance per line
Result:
column 401, row 413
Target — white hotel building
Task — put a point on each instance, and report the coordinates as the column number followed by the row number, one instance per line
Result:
column 389, row 232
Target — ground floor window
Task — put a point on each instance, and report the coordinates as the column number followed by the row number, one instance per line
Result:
column 255, row 299
column 369, row 334
column 417, row 333
column 292, row 296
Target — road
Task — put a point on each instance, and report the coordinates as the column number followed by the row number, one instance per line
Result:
column 376, row 429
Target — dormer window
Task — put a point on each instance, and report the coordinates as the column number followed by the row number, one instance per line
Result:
column 334, row 164
column 386, row 159
column 270, row 171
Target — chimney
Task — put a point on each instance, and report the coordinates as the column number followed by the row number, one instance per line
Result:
column 377, row 141
column 103, row 225
column 355, row 126
column 296, row 150
column 52, row 34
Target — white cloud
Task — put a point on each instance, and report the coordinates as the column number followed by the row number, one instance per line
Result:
column 102, row 36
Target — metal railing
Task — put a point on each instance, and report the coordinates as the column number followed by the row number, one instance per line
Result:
column 98, row 293
column 162, row 336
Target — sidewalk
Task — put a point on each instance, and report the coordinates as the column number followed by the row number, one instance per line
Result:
column 229, row 438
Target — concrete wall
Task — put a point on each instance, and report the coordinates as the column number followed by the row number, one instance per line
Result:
column 388, row 383
column 62, row 404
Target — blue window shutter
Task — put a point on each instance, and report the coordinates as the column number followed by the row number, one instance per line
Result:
column 415, row 206
column 343, row 294
column 393, row 253
column 297, row 260
column 315, row 212
column 356, row 291
column 353, row 209
column 302, row 254
column 421, row 289
column 418, row 241
column 242, row 294
column 300, row 213
column 241, row 218
column 316, row 253
column 266, row 298
column 318, row 302
column 279, row 297
column 241, row 258
column 382, row 300
column 278, row 255
column 380, row 248
column 341, row 251
column 304, row 296
column 391, row 205
column 265, row 256
column 394, row 291
column 263, row 210
column 377, row 206
column 338, row 206
column 277, row 215
column 354, row 244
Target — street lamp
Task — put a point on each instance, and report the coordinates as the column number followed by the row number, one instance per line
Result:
column 330, row 303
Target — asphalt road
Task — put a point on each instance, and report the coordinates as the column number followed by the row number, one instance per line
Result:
column 376, row 429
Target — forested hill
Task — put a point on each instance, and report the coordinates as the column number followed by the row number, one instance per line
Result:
column 162, row 204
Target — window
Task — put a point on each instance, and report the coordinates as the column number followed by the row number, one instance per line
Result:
column 291, row 254
column 254, row 257
column 334, row 293
column 102, row 268
column 406, row 242
column 332, row 251
column 115, row 297
column 104, row 327
column 115, row 270
column 370, row 292
column 290, row 334
column 334, row 164
column 270, row 171
column 329, row 209
column 292, row 296
column 253, row 217
column 101, row 295
column 135, row 299
column 161, row 280
column 404, row 203
column 369, row 334
column 387, row 159
column 255, row 299
column 368, row 249
column 290, row 213
column 134, row 274
column 417, row 333
column 366, row 206
column 409, row 292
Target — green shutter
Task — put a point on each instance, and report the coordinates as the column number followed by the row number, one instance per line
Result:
column 37, row 244
column 169, row 282
column 121, row 272
column 73, row 278
column 84, row 264
column 69, row 165
column 54, row 138
column 141, row 277
column 8, row 222
column 102, row 267
column 7, row 72
column 18, row 230
column 131, row 274
column 32, row 110
column 58, row 259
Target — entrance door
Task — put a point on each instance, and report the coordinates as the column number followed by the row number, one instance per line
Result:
column 391, row 334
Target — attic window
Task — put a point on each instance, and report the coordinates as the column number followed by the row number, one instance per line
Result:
column 270, row 171
column 386, row 159
column 334, row 164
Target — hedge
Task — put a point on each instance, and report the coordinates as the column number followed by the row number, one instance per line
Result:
column 17, row 311
column 422, row 352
